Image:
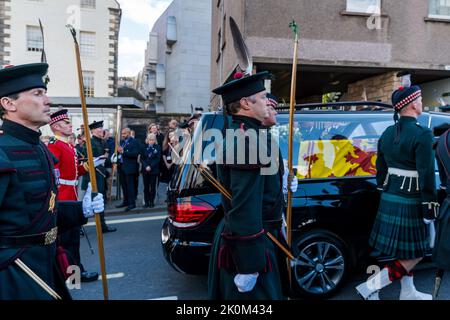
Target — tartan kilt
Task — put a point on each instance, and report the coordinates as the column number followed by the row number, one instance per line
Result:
column 399, row 230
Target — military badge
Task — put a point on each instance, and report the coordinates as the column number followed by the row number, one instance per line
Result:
column 52, row 202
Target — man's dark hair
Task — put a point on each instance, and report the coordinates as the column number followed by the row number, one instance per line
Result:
column 234, row 107
column 14, row 96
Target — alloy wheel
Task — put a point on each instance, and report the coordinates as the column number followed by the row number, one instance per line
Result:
column 319, row 267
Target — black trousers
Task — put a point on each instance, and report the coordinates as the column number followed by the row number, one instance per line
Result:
column 127, row 182
column 150, row 187
column 101, row 185
column 70, row 241
column 136, row 185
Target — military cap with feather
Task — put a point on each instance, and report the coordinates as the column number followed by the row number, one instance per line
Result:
column 243, row 87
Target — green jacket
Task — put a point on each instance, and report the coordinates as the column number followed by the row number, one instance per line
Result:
column 240, row 244
column 254, row 196
column 414, row 152
column 27, row 207
column 98, row 149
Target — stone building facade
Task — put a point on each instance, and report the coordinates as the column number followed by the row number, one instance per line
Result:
column 97, row 23
column 355, row 47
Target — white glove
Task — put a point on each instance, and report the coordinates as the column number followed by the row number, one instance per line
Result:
column 90, row 206
column 99, row 161
column 427, row 222
column 294, row 184
column 114, row 158
column 245, row 282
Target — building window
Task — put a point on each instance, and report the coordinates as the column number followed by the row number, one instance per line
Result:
column 34, row 39
column 88, row 80
column 440, row 9
column 88, row 4
column 87, row 44
column 364, row 6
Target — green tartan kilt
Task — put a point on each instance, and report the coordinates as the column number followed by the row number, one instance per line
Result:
column 399, row 230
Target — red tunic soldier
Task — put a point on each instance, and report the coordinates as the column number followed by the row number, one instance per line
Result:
column 69, row 170
column 69, row 166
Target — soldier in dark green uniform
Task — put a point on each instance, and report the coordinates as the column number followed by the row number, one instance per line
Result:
column 406, row 177
column 441, row 251
column 98, row 151
column 30, row 217
column 243, row 261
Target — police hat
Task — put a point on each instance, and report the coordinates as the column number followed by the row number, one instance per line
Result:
column 243, row 87
column 16, row 79
column 96, row 125
column 58, row 116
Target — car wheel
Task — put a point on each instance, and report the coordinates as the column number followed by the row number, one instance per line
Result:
column 321, row 264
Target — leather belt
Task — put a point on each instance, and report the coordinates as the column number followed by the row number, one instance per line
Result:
column 411, row 174
column 33, row 240
column 72, row 183
column 403, row 173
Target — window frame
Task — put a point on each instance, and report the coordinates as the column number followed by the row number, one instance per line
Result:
column 88, row 4
column 438, row 16
column 89, row 85
column 347, row 10
column 38, row 45
column 88, row 50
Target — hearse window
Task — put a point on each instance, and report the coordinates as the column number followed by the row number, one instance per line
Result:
column 187, row 177
column 331, row 145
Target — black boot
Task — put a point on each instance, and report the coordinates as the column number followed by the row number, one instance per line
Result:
column 89, row 276
column 106, row 229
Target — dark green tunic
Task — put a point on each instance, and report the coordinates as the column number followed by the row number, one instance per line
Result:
column 255, row 208
column 98, row 149
column 27, row 183
column 399, row 229
column 441, row 251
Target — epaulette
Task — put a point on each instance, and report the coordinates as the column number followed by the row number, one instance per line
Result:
column 422, row 127
column 52, row 140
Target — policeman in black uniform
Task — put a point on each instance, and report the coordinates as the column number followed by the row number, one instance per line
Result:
column 99, row 149
column 30, row 217
column 243, row 263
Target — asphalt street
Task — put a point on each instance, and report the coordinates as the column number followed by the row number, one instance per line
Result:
column 135, row 261
column 138, row 270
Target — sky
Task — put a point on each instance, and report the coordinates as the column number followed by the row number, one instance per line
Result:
column 138, row 17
